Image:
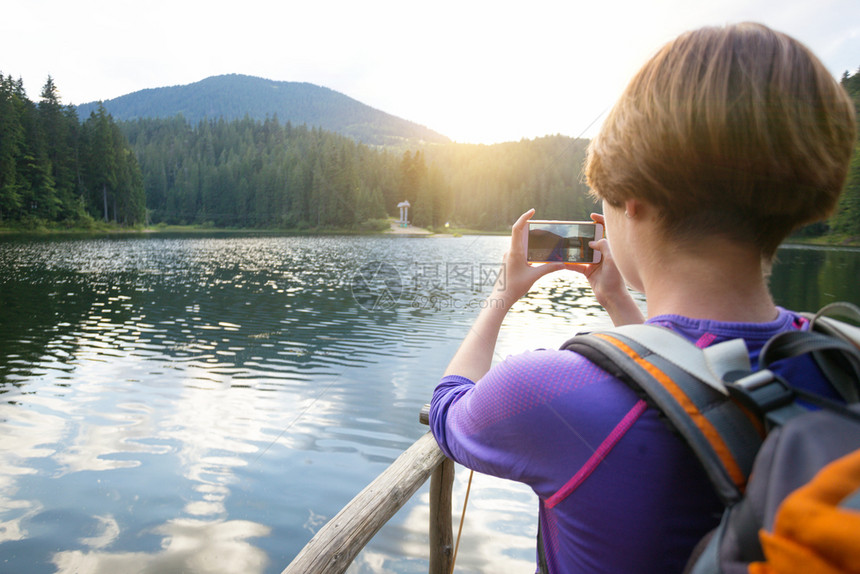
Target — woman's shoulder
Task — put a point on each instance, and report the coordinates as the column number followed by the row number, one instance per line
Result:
column 520, row 389
column 707, row 331
column 544, row 373
column 548, row 361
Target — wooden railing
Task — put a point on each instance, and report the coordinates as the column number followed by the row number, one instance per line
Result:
column 336, row 545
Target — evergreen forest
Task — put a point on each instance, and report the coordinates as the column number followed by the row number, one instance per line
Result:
column 246, row 173
column 57, row 170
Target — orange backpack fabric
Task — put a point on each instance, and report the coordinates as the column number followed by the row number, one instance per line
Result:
column 813, row 531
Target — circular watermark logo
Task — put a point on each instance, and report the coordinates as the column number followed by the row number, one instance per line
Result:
column 377, row 285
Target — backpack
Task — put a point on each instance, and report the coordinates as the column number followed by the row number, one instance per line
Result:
column 784, row 461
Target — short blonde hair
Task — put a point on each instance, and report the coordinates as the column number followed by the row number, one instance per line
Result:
column 738, row 131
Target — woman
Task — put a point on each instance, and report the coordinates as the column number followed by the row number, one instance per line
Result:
column 726, row 141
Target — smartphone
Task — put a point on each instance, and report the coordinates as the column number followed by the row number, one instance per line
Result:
column 565, row 241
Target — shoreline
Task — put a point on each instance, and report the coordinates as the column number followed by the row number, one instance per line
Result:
column 394, row 229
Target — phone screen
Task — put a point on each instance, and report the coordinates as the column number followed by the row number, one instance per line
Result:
column 565, row 241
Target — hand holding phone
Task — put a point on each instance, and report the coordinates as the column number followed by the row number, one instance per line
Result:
column 565, row 241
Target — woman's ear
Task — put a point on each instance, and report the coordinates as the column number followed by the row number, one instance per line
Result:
column 632, row 208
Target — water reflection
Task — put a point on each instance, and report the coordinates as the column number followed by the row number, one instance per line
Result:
column 807, row 278
column 189, row 546
column 165, row 397
column 205, row 404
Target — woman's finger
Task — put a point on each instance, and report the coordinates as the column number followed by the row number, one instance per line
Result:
column 584, row 268
column 519, row 239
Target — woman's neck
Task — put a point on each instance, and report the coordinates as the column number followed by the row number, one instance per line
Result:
column 722, row 281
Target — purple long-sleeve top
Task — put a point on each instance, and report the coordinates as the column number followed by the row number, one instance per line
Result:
column 618, row 490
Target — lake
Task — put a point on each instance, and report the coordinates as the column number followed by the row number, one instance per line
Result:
column 205, row 403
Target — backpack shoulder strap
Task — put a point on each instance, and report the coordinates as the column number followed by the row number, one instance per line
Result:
column 824, row 321
column 773, row 397
column 685, row 385
column 831, row 365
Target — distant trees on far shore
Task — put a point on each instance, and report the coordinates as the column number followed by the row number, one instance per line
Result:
column 846, row 221
column 55, row 169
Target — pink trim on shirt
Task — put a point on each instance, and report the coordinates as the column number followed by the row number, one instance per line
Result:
column 597, row 457
column 705, row 340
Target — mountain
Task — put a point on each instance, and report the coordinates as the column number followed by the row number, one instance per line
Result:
column 234, row 96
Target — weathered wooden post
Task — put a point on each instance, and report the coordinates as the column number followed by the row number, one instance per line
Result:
column 441, row 533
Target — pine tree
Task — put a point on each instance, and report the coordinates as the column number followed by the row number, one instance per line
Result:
column 59, row 128
column 11, row 141
column 38, row 193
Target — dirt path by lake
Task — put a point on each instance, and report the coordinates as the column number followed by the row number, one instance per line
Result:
column 398, row 229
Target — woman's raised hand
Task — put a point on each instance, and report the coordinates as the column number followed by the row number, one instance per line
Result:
column 517, row 275
column 608, row 285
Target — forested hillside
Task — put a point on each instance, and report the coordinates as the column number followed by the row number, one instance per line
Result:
column 261, row 174
column 55, row 169
column 234, row 96
column 247, row 173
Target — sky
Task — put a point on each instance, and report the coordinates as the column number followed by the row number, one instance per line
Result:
column 476, row 71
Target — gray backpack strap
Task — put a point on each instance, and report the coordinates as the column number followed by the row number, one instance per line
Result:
column 710, row 365
column 773, row 398
column 839, row 309
column 681, row 381
column 830, row 364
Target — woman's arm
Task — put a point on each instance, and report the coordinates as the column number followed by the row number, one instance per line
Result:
column 475, row 355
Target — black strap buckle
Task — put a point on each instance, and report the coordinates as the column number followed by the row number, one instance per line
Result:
column 762, row 392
